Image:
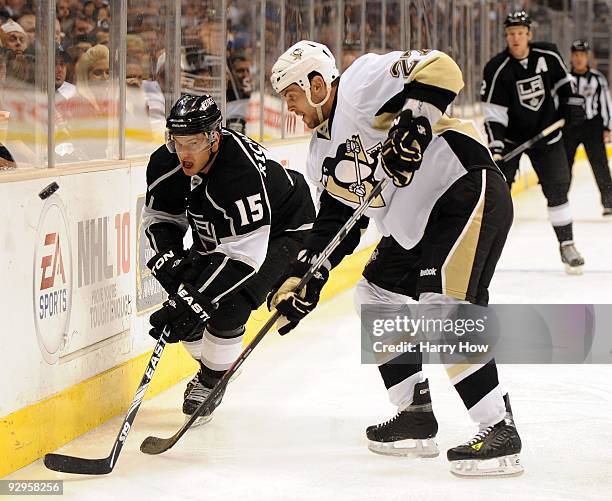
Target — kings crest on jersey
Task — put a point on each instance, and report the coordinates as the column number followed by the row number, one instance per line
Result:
column 344, row 157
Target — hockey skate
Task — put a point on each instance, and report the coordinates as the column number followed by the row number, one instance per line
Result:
column 196, row 392
column 571, row 258
column 607, row 211
column 411, row 432
column 493, row 451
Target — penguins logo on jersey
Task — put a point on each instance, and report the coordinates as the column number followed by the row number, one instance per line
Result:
column 350, row 174
column 531, row 92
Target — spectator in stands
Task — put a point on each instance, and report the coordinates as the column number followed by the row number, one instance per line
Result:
column 17, row 96
column 87, row 110
column 103, row 18
column 64, row 94
column 28, row 23
column 92, row 75
column 102, row 36
column 240, row 73
column 154, row 94
column 100, row 4
column 133, row 73
column 65, row 90
column 89, row 9
column 58, row 32
column 14, row 37
column 13, row 9
column 20, row 68
column 64, row 15
column 136, row 50
column 83, row 26
column 238, row 92
column 75, row 51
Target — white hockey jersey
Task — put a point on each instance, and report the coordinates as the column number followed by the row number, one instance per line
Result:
column 344, row 151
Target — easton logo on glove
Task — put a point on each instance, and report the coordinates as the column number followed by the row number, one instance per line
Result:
column 185, row 313
column 193, row 304
column 163, row 259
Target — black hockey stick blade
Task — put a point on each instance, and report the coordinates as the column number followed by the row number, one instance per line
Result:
column 84, row 466
column 157, row 445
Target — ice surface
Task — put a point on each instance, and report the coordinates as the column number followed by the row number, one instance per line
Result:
column 291, row 427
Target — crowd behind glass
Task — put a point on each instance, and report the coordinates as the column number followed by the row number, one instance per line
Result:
column 117, row 66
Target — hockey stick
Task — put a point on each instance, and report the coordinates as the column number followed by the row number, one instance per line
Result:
column 157, row 445
column 84, row 466
column 529, row 143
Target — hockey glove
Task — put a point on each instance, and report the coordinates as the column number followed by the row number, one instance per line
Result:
column 402, row 151
column 186, row 312
column 294, row 307
column 573, row 110
column 497, row 149
column 175, row 266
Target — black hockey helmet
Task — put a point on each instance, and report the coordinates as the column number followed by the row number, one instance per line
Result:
column 194, row 115
column 580, row 46
column 518, row 18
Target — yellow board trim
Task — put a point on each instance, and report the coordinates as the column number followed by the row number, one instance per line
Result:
column 29, row 433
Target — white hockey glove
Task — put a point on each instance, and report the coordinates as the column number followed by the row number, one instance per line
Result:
column 294, row 307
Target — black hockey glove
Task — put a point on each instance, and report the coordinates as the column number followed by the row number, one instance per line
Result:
column 402, row 151
column 573, row 110
column 166, row 266
column 292, row 306
column 186, row 312
column 175, row 266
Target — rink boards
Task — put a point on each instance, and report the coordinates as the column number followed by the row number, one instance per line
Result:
column 76, row 300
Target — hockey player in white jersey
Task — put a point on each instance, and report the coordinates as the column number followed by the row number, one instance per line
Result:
column 445, row 218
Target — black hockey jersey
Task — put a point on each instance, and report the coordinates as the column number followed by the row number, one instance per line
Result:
column 521, row 96
column 246, row 198
column 593, row 86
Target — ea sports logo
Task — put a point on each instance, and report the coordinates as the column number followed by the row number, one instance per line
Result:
column 52, row 283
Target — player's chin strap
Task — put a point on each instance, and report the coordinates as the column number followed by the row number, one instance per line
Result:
column 320, row 105
column 212, row 157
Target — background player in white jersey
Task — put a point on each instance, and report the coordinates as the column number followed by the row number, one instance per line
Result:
column 526, row 88
column 445, row 219
column 595, row 132
column 247, row 216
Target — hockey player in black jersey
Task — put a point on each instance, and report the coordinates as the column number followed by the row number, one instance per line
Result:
column 593, row 86
column 520, row 90
column 247, row 216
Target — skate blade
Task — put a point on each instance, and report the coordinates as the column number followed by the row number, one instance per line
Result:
column 200, row 421
column 573, row 270
column 497, row 467
column 425, row 448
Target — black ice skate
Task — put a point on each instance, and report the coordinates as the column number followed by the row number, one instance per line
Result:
column 196, row 392
column 493, row 451
column 607, row 211
column 571, row 258
column 411, row 432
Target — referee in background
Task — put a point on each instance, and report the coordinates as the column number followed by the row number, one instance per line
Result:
column 595, row 132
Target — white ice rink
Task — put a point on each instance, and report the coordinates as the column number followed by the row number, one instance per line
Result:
column 292, row 425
